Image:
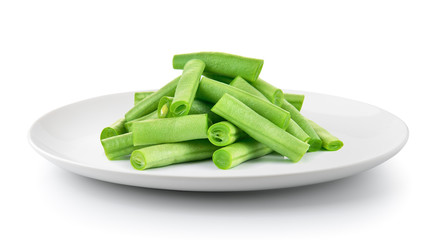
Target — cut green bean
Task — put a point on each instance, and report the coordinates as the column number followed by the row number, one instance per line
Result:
column 293, row 127
column 297, row 131
column 224, row 133
column 201, row 107
column 217, row 77
column 295, row 99
column 314, row 141
column 115, row 129
column 259, row 128
column 211, row 91
column 152, row 115
column 165, row 130
column 187, row 87
column 224, row 64
column 163, row 109
column 150, row 103
column 239, row 152
column 198, row 107
column 329, row 141
column 139, row 96
column 118, row 146
column 171, row 153
column 242, row 84
column 275, row 95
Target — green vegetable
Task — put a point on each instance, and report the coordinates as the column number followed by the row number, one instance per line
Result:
column 139, row 96
column 297, row 131
column 115, row 129
column 329, row 142
column 295, row 99
column 201, row 107
column 165, row 130
column 187, row 87
column 217, row 77
column 275, row 95
column 259, row 128
column 224, row 133
column 314, row 141
column 224, row 64
column 118, row 146
column 150, row 103
column 152, row 115
column 163, row 109
column 251, row 117
column 239, row 152
column 171, row 153
column 242, row 84
column 211, row 91
column 293, row 127
column 198, row 107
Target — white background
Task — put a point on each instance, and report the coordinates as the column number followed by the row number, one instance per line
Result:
column 54, row 53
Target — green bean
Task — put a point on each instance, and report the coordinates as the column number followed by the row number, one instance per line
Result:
column 242, row 84
column 211, row 91
column 165, row 130
column 150, row 103
column 275, row 95
column 217, row 77
column 201, row 107
column 314, row 141
column 152, row 115
column 329, row 142
column 295, row 99
column 224, row 64
column 259, row 128
column 224, row 133
column 118, row 146
column 239, row 152
column 139, row 96
column 198, row 107
column 297, row 131
column 293, row 127
column 163, row 109
column 115, row 129
column 187, row 87
column 171, row 153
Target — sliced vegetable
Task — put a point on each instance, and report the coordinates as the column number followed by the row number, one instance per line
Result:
column 224, row 64
column 329, row 141
column 295, row 99
column 152, row 115
column 219, row 78
column 239, row 152
column 198, row 107
column 314, row 141
column 166, row 130
column 171, row 153
column 150, row 103
column 275, row 95
column 224, row 133
column 139, row 96
column 259, row 128
column 211, row 91
column 115, row 129
column 118, row 146
column 242, row 84
column 187, row 87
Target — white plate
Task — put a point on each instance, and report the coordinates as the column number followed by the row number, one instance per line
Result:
column 69, row 138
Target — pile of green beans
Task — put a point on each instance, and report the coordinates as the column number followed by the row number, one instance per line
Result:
column 219, row 109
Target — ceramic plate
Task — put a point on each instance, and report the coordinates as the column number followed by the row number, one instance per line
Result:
column 69, row 138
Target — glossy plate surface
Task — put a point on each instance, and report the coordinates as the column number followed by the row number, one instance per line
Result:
column 69, row 138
